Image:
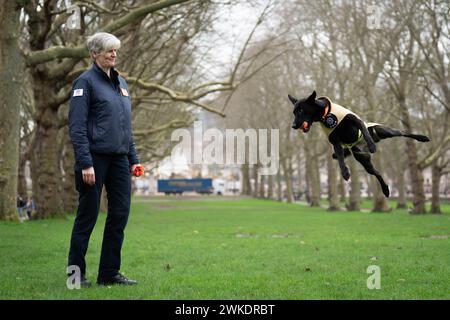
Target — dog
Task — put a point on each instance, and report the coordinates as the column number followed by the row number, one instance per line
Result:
column 346, row 132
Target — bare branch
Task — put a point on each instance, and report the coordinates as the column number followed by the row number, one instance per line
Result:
column 175, row 95
column 171, row 125
column 436, row 154
column 59, row 52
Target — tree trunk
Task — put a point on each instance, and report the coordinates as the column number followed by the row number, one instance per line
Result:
column 11, row 78
column 70, row 195
column 288, row 179
column 313, row 177
column 401, row 201
column 307, row 178
column 270, row 187
column 380, row 203
column 45, row 164
column 262, row 187
column 22, row 182
column 333, row 201
column 279, row 186
column 300, row 175
column 413, row 162
column 291, row 176
column 436, row 180
column 315, row 183
column 255, row 179
column 354, row 203
column 246, row 185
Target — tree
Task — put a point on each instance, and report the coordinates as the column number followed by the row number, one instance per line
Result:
column 332, row 170
column 400, row 79
column 11, row 75
column 432, row 36
column 52, row 70
column 54, row 58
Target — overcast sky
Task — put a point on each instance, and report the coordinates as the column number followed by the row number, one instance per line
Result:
column 231, row 29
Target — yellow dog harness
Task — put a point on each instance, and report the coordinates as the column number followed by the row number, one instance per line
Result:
column 333, row 116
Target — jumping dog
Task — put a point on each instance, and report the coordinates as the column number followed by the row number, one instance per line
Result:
column 346, row 132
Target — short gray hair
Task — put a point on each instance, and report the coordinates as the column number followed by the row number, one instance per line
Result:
column 102, row 41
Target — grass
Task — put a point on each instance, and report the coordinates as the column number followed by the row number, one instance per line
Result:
column 214, row 248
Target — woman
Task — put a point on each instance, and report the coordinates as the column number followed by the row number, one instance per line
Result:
column 105, row 154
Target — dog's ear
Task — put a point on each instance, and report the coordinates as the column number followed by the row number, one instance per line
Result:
column 293, row 100
column 312, row 97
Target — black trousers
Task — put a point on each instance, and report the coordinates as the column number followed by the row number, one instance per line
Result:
column 113, row 171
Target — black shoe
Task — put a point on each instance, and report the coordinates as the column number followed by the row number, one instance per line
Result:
column 117, row 279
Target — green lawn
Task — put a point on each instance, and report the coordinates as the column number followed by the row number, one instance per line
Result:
column 239, row 249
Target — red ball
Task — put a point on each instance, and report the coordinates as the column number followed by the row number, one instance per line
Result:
column 138, row 171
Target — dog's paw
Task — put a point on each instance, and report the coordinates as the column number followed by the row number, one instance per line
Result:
column 372, row 147
column 346, row 174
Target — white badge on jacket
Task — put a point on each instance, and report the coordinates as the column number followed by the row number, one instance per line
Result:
column 78, row 92
column 124, row 92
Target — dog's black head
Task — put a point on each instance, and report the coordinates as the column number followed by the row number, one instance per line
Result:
column 306, row 111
